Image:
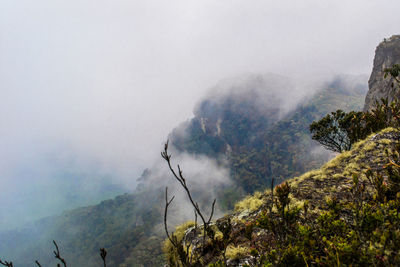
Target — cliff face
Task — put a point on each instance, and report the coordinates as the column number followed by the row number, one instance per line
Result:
column 387, row 53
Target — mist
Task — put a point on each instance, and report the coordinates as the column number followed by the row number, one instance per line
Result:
column 89, row 90
column 204, row 177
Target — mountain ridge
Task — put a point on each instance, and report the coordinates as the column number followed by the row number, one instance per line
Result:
column 309, row 195
column 130, row 226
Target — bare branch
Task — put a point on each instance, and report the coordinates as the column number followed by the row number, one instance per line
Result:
column 38, row 264
column 180, row 178
column 178, row 175
column 6, row 263
column 167, row 203
column 103, row 254
column 58, row 256
column 212, row 211
column 195, row 219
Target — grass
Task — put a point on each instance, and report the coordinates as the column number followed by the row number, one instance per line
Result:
column 250, row 203
column 236, row 252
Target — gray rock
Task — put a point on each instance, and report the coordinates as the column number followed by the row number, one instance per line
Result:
column 387, row 53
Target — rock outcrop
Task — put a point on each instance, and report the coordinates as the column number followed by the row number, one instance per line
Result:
column 387, row 53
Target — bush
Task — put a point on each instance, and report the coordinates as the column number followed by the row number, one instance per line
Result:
column 339, row 130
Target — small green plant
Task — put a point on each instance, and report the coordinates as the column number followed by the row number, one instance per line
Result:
column 393, row 72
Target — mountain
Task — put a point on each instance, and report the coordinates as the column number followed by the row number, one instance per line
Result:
column 344, row 213
column 386, row 55
column 256, row 131
column 245, row 132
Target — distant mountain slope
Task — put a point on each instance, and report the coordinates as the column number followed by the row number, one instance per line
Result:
column 245, row 128
column 265, row 140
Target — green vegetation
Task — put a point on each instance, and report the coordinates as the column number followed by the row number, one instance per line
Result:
column 256, row 148
column 336, row 131
column 339, row 130
column 359, row 230
column 393, row 72
column 355, row 222
column 257, row 145
column 236, row 252
column 170, row 249
column 346, row 213
column 250, row 203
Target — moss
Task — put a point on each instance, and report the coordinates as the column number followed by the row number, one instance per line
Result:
column 368, row 146
column 250, row 203
column 348, row 162
column 297, row 180
column 360, row 143
column 351, row 168
column 296, row 203
column 336, row 162
column 360, row 157
column 385, row 141
column 337, row 175
column 388, row 130
column 218, row 235
column 179, row 232
column 236, row 252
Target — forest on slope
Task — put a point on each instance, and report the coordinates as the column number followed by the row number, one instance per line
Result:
column 254, row 142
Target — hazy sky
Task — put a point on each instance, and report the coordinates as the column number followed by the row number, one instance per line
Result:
column 98, row 84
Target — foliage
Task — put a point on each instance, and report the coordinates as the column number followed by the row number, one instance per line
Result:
column 171, row 250
column 339, row 130
column 394, row 72
column 236, row 252
column 358, row 225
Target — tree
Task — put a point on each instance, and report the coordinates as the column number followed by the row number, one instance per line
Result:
column 337, row 131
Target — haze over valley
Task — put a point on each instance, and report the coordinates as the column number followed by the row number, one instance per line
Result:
column 91, row 90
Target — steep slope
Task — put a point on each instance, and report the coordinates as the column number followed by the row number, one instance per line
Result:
column 387, row 53
column 237, row 131
column 261, row 141
column 258, row 229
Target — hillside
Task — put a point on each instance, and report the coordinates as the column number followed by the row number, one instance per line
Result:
column 330, row 216
column 261, row 143
column 254, row 141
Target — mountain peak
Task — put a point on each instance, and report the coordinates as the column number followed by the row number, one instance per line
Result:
column 386, row 55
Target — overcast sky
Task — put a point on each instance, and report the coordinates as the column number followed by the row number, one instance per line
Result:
column 98, row 84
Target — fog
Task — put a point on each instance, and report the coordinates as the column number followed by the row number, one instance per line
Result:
column 204, row 177
column 89, row 90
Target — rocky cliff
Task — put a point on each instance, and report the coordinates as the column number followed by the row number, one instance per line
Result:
column 387, row 53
